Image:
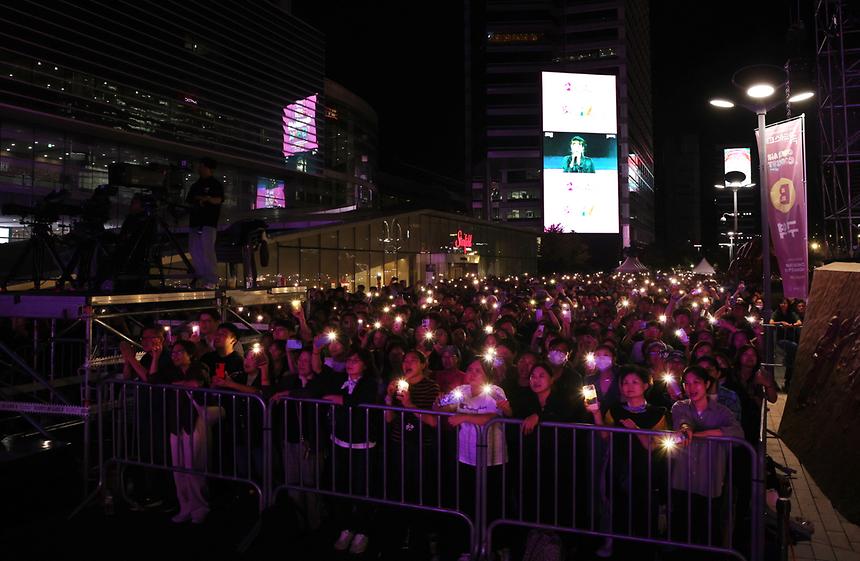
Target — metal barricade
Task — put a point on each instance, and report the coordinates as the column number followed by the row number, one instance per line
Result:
column 602, row 481
column 200, row 433
column 584, row 479
column 786, row 338
column 391, row 456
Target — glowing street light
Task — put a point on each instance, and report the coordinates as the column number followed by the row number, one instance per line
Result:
column 722, row 103
column 760, row 91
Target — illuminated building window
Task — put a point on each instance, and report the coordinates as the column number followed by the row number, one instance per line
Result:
column 501, row 38
column 591, row 54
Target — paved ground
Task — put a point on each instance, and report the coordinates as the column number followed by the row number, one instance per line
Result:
column 835, row 538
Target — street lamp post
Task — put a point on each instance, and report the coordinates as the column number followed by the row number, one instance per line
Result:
column 765, row 228
column 760, row 82
column 734, row 180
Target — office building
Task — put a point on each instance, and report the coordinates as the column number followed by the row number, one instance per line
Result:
column 510, row 44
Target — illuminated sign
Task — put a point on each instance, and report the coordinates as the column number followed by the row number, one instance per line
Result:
column 738, row 159
column 300, row 128
column 580, row 152
column 463, row 240
column 270, row 193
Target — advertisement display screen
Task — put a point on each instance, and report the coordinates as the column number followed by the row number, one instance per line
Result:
column 270, row 193
column 578, row 102
column 580, row 153
column 299, row 124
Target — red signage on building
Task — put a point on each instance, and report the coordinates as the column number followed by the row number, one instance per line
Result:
column 463, row 240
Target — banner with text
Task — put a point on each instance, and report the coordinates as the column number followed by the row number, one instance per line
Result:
column 786, row 197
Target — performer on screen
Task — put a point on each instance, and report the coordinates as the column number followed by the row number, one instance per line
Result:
column 578, row 162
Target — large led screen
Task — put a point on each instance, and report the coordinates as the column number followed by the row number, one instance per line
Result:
column 270, row 193
column 578, row 102
column 580, row 153
column 300, row 129
column 580, row 181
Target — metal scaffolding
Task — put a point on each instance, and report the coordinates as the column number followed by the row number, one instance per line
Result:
column 837, row 35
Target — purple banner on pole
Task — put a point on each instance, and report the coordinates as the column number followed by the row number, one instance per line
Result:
column 786, row 184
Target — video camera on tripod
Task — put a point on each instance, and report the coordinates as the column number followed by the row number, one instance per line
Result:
column 41, row 249
column 47, row 211
column 145, row 233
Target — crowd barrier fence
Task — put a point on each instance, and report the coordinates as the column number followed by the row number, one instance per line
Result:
column 574, row 478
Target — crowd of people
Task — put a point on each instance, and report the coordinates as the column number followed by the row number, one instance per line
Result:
column 665, row 352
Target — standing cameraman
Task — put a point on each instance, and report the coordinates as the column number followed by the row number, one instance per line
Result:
column 205, row 197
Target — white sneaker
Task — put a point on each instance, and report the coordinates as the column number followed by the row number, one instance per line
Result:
column 605, row 550
column 343, row 541
column 359, row 544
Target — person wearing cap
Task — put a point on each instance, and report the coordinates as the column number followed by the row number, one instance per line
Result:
column 205, row 196
column 578, row 162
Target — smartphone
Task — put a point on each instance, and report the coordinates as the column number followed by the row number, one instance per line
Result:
column 294, row 344
column 589, row 392
column 540, row 330
column 539, row 314
column 425, row 323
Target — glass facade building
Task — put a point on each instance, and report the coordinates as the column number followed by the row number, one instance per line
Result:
column 89, row 84
column 414, row 246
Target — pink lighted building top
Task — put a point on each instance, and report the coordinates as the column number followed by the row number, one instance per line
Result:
column 300, row 129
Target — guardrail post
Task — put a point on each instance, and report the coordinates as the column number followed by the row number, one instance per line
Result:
column 479, row 539
column 52, row 367
column 87, row 316
column 757, row 541
column 268, row 447
column 783, row 510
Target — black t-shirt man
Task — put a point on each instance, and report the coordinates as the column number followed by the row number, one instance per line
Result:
column 231, row 365
column 204, row 214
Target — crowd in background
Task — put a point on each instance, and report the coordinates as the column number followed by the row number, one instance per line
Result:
column 664, row 352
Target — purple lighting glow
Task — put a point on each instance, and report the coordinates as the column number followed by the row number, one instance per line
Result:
column 300, row 129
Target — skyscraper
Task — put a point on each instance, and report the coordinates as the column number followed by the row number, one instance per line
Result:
column 509, row 44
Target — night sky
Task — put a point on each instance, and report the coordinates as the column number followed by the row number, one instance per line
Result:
column 412, row 74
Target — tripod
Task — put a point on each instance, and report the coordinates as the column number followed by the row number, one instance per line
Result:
column 41, row 242
column 139, row 250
